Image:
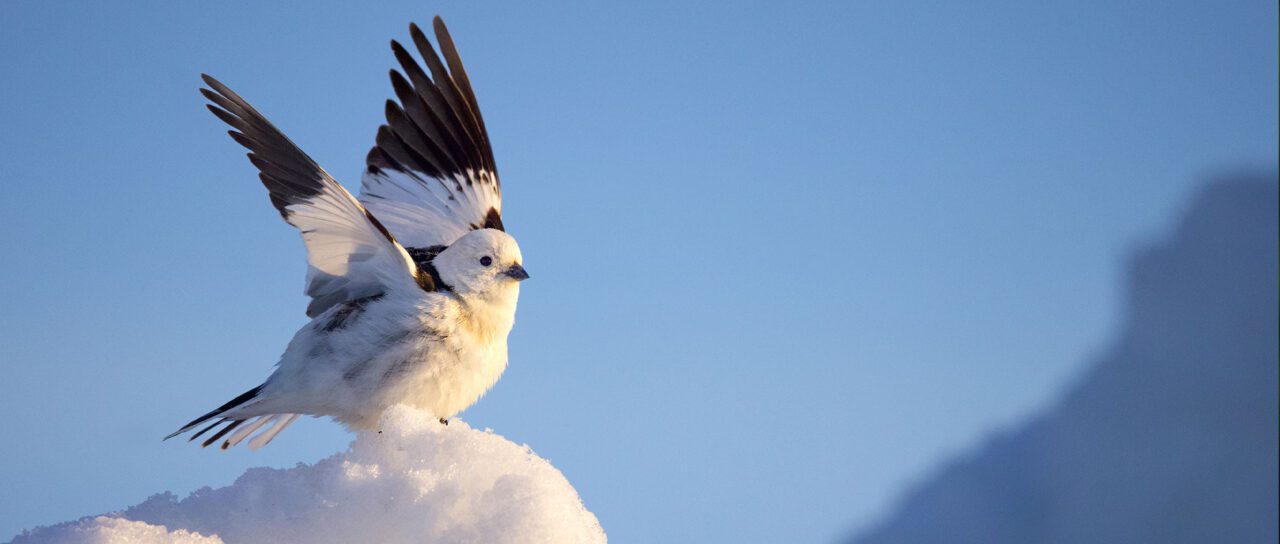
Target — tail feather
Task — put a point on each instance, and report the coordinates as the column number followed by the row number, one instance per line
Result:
column 247, row 430
column 281, row 421
column 202, row 431
column 234, row 423
column 232, row 418
column 230, row 405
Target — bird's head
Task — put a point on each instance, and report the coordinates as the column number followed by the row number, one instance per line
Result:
column 484, row 262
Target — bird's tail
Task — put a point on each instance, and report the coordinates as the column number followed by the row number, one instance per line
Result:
column 274, row 423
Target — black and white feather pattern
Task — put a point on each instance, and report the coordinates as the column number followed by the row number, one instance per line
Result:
column 431, row 176
column 350, row 255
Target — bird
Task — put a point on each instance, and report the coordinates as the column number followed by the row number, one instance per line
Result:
column 413, row 285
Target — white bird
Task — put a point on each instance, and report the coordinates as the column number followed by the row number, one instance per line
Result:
column 413, row 287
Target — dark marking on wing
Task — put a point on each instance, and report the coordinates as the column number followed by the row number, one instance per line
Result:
column 355, row 371
column 320, row 349
column 348, row 313
column 389, row 341
column 397, row 369
column 492, row 220
column 403, row 367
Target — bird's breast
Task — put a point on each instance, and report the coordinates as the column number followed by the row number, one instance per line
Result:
column 443, row 373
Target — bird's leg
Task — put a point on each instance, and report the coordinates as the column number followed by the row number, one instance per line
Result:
column 444, row 422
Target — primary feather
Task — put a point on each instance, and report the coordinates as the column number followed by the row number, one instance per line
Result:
column 431, row 176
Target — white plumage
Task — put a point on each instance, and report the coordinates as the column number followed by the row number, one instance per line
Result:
column 414, row 285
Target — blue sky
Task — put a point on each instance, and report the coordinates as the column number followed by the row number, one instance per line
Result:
column 785, row 259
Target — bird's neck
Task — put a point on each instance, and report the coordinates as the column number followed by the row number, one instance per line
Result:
column 491, row 316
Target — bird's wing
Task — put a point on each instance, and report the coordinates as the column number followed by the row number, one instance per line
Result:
column 431, row 176
column 349, row 253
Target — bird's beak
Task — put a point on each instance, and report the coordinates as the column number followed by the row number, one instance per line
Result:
column 516, row 272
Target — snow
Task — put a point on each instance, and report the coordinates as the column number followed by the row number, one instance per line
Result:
column 415, row 481
column 110, row 530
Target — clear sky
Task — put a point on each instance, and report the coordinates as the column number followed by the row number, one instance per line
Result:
column 786, row 258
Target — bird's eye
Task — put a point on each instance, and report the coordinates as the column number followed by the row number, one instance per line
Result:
column 486, row 260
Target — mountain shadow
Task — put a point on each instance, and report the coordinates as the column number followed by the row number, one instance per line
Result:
column 1172, row 436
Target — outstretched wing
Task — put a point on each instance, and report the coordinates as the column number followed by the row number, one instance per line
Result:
column 431, row 176
column 349, row 253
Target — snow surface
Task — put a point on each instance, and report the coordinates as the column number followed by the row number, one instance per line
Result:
column 415, row 481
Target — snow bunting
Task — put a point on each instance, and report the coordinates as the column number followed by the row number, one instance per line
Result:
column 413, row 287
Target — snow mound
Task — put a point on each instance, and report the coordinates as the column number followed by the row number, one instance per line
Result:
column 415, row 481
column 109, row 530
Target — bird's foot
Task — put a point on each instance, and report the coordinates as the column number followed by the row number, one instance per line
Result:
column 444, row 422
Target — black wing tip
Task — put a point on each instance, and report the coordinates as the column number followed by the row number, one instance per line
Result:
column 443, row 37
column 397, row 48
column 217, row 111
column 402, row 87
column 217, row 87
column 415, row 31
column 209, row 94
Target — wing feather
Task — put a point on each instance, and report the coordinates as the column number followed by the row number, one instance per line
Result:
column 350, row 254
column 431, row 176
